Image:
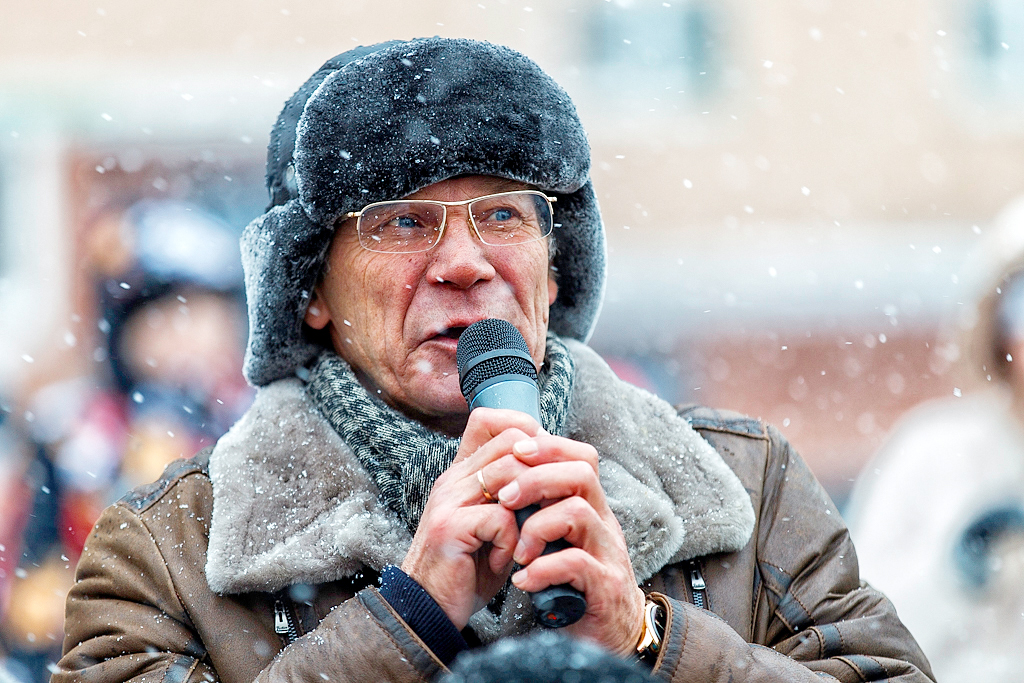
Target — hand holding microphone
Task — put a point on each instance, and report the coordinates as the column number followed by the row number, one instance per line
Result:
column 497, row 371
column 463, row 549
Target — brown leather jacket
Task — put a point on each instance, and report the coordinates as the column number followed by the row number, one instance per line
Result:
column 788, row 606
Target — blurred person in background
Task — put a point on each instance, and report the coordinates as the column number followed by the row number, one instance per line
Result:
column 357, row 523
column 938, row 515
column 16, row 452
column 166, row 277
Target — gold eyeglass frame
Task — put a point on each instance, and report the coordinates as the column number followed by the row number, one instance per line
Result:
column 444, row 218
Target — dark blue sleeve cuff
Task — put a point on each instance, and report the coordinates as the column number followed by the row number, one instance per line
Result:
column 424, row 616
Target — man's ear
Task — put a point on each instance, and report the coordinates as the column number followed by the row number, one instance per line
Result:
column 317, row 316
column 552, row 289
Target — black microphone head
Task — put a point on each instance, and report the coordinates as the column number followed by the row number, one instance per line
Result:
column 492, row 337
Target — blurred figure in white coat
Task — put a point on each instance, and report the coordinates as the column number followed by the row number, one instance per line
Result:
column 938, row 516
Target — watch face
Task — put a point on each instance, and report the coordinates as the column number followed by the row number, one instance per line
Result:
column 659, row 623
column 650, row 644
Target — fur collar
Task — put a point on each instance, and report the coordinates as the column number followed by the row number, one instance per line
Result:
column 292, row 504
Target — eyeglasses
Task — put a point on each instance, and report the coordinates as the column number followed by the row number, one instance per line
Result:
column 410, row 225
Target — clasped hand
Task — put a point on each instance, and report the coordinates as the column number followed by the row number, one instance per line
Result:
column 464, row 547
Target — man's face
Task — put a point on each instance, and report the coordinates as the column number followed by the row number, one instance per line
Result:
column 396, row 317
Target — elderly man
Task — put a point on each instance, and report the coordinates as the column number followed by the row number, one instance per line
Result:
column 358, row 523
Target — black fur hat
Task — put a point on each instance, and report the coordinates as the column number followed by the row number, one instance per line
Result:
column 384, row 121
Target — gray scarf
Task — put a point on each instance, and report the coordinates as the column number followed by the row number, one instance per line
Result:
column 403, row 456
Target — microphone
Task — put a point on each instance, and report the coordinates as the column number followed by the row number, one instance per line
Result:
column 497, row 371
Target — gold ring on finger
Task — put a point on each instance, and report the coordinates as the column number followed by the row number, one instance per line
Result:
column 483, row 487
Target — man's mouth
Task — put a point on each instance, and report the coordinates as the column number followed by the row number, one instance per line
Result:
column 451, row 332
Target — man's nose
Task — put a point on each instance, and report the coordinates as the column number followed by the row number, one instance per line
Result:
column 460, row 258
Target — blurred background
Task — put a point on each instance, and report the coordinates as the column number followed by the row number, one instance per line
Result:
column 790, row 188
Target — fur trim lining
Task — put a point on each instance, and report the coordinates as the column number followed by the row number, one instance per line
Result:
column 292, row 504
column 670, row 490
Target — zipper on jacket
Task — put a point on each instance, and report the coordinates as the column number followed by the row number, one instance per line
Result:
column 284, row 622
column 698, row 588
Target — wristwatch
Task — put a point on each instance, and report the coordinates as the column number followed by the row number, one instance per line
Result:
column 654, row 629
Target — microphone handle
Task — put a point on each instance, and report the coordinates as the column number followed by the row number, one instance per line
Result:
column 555, row 606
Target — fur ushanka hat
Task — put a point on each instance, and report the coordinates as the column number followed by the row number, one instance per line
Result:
column 384, row 121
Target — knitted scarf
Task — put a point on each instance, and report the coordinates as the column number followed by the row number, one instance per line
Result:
column 402, row 455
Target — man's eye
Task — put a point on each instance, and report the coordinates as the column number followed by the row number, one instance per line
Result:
column 501, row 215
column 407, row 222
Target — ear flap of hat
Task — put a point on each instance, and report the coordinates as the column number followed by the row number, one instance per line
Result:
column 580, row 264
column 281, row 254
